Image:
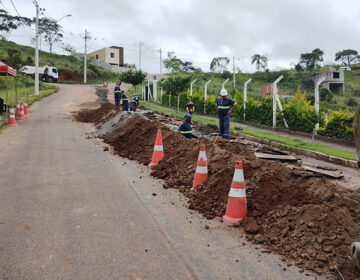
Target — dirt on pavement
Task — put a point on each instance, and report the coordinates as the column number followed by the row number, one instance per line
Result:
column 99, row 115
column 291, row 212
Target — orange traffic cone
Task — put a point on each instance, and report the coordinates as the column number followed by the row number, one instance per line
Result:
column 17, row 110
column 202, row 153
column 201, row 174
column 158, row 153
column 26, row 111
column 237, row 206
column 21, row 116
column 12, row 121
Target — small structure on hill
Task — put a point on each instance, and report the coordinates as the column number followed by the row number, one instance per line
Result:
column 332, row 80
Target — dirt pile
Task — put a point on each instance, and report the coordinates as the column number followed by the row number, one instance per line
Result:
column 290, row 212
column 99, row 115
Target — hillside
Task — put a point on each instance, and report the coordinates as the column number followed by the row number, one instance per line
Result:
column 70, row 68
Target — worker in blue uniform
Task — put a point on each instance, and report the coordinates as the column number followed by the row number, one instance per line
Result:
column 117, row 94
column 134, row 102
column 186, row 128
column 225, row 106
column 125, row 101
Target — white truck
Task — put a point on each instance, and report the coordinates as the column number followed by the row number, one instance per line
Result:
column 47, row 73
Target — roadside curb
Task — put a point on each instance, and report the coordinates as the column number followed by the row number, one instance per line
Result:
column 313, row 154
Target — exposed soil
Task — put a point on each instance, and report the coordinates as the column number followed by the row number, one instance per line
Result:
column 99, row 115
column 291, row 212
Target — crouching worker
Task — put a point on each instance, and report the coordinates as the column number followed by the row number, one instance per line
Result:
column 186, row 128
column 190, row 108
column 125, row 101
column 134, row 102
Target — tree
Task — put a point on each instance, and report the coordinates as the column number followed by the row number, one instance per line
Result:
column 219, row 64
column 310, row 61
column 133, row 77
column 9, row 22
column 175, row 64
column 260, row 61
column 175, row 85
column 51, row 30
column 68, row 48
column 351, row 102
column 347, row 56
column 14, row 58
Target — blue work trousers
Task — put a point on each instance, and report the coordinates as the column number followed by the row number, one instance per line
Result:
column 125, row 105
column 117, row 99
column 133, row 106
column 224, row 122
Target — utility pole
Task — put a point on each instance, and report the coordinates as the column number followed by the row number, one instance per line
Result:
column 87, row 36
column 37, row 49
column 160, row 62
column 140, row 55
column 234, row 70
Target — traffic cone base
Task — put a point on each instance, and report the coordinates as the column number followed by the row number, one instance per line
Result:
column 158, row 153
column 236, row 208
column 12, row 121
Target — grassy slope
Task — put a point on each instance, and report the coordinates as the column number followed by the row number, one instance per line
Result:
column 265, row 135
column 62, row 62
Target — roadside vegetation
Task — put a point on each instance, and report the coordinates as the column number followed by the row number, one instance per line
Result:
column 265, row 135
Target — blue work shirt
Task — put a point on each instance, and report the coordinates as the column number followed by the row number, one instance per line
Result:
column 124, row 97
column 135, row 99
column 117, row 89
column 224, row 106
column 186, row 130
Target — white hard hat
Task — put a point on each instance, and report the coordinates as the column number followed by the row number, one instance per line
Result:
column 223, row 92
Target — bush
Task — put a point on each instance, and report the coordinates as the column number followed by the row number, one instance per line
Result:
column 326, row 95
column 300, row 114
column 351, row 102
column 340, row 125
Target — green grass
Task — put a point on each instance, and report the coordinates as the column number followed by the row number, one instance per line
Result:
column 62, row 62
column 47, row 91
column 261, row 134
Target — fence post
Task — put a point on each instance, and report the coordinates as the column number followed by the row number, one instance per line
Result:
column 274, row 88
column 178, row 103
column 205, row 95
column 317, row 99
column 170, row 100
column 245, row 96
column 223, row 84
column 191, row 88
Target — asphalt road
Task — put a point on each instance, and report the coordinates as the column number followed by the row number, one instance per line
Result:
column 69, row 210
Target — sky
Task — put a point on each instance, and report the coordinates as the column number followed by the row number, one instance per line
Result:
column 198, row 30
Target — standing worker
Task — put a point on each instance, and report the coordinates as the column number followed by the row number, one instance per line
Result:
column 134, row 102
column 125, row 101
column 117, row 94
column 357, row 136
column 225, row 106
column 186, row 128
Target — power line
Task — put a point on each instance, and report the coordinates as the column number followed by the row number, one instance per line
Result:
column 15, row 8
column 4, row 6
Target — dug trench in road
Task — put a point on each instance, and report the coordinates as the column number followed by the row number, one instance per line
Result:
column 71, row 211
column 282, row 200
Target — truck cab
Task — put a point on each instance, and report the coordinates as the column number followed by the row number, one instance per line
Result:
column 51, row 74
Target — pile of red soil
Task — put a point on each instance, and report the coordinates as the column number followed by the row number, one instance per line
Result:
column 290, row 212
column 99, row 115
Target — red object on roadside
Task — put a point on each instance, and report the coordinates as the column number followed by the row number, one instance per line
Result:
column 158, row 153
column 12, row 121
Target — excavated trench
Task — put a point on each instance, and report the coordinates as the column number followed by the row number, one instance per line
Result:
column 292, row 212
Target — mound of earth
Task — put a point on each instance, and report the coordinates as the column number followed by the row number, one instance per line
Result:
column 291, row 213
column 102, row 114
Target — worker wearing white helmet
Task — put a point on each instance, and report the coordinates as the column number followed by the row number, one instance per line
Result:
column 225, row 106
column 357, row 135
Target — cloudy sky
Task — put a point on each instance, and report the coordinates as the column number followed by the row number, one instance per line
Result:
column 198, row 30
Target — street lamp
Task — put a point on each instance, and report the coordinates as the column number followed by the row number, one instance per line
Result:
column 69, row 15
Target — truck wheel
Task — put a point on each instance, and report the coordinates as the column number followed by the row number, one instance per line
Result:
column 50, row 79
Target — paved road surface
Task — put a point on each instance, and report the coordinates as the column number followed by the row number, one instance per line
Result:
column 69, row 210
